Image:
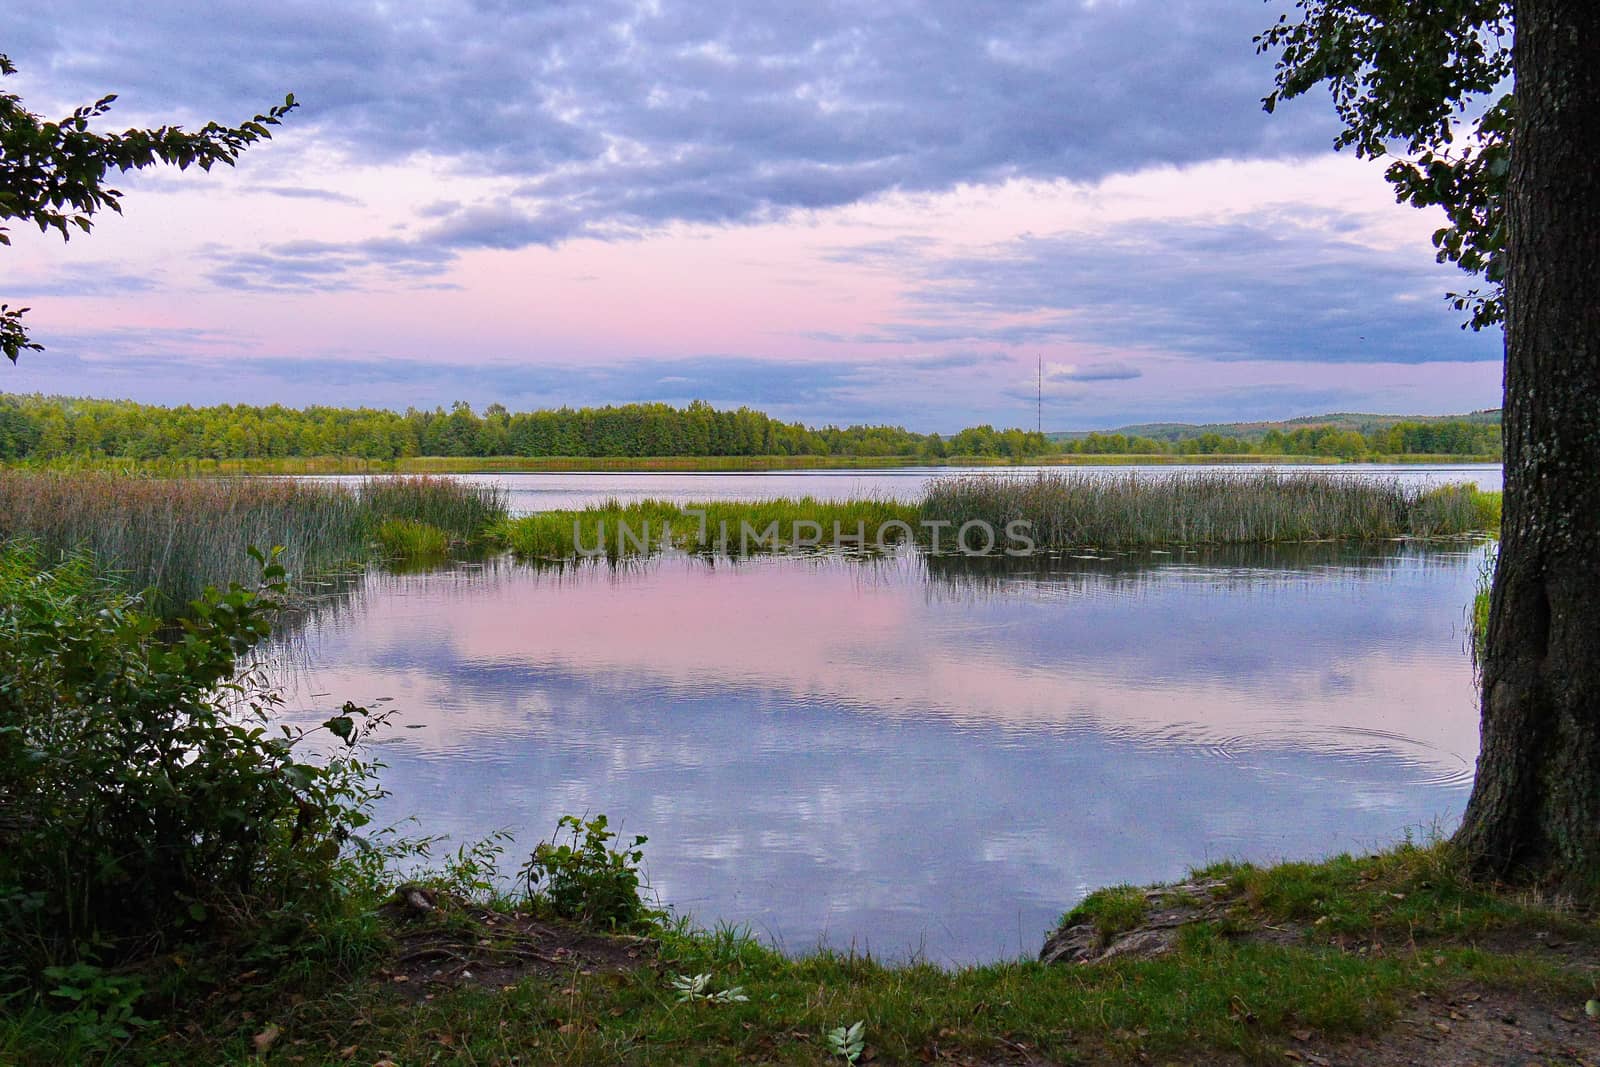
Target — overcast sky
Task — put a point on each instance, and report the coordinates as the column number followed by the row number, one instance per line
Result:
column 836, row 212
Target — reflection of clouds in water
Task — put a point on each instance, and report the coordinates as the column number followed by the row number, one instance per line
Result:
column 825, row 747
column 1366, row 650
column 798, row 820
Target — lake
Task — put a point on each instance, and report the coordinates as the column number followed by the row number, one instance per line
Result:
column 551, row 492
column 912, row 756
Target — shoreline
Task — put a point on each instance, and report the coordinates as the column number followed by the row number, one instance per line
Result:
column 336, row 465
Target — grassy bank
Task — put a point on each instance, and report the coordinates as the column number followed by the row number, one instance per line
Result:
column 175, row 536
column 1387, row 959
column 1067, row 510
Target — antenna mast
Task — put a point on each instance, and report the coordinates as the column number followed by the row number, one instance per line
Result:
column 1039, row 400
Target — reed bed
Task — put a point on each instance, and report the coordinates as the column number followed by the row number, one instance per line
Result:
column 615, row 529
column 1070, row 509
column 462, row 510
column 409, row 539
column 174, row 537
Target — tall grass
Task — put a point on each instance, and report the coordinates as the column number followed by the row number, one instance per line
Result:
column 1478, row 611
column 409, row 539
column 722, row 527
column 176, row 536
column 463, row 510
column 1069, row 509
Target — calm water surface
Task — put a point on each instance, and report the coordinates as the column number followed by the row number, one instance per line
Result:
column 549, row 492
column 919, row 756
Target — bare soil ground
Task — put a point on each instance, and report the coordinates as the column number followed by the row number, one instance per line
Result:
column 447, row 944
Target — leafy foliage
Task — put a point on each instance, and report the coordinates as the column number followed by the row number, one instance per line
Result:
column 53, row 174
column 45, row 428
column 1429, row 79
column 586, row 879
column 101, row 1007
column 144, row 800
column 697, row 989
column 42, row 429
column 848, row 1042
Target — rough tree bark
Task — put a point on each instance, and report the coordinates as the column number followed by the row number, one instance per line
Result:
column 1534, row 814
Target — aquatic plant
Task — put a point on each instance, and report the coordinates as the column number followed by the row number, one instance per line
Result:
column 175, row 536
column 1478, row 611
column 615, row 529
column 462, row 510
column 409, row 539
column 1070, row 509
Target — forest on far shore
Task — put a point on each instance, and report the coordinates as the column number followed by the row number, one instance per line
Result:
column 44, row 428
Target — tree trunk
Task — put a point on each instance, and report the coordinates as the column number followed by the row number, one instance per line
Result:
column 1534, row 815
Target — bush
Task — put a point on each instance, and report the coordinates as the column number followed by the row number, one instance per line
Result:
column 587, row 880
column 143, row 799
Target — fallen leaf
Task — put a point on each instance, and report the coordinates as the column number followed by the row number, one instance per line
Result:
column 1300, row 1035
column 263, row 1041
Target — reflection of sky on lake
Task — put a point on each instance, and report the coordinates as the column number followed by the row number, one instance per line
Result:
column 902, row 756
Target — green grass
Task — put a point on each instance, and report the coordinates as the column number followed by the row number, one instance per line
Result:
column 720, row 527
column 1374, row 932
column 1064, row 510
column 1111, row 911
column 1478, row 612
column 175, row 536
column 1068, row 509
column 462, row 510
column 1416, row 891
column 410, row 539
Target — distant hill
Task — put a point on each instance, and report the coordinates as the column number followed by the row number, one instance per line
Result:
column 1255, row 431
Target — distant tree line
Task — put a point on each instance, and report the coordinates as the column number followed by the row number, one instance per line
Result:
column 1445, row 437
column 40, row 427
column 44, row 428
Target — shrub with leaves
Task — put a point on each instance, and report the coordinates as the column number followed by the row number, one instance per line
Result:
column 585, row 879
column 144, row 797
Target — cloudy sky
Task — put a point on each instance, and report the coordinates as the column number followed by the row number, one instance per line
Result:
column 837, row 212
